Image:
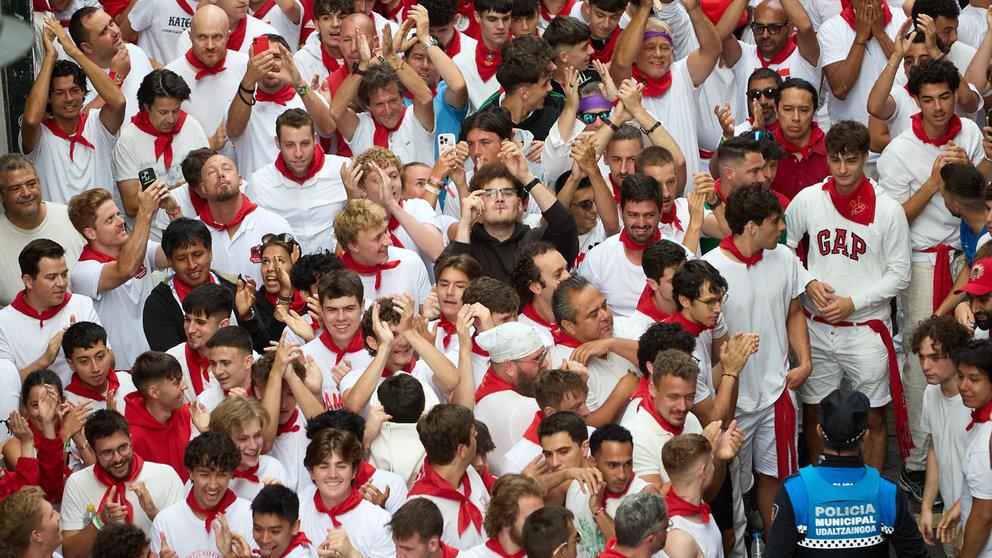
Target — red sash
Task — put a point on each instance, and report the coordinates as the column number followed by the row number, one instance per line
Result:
column 728, row 244
column 185, row 6
column 491, row 383
column 202, row 69
column 943, row 282
column 787, row 50
column 647, row 307
column 380, row 136
column 448, row 328
column 431, row 484
column 815, row 135
column 486, row 61
column 182, row 289
column 858, row 206
column 300, row 538
column 671, row 218
column 246, row 208
column 629, row 243
column 920, row 133
column 785, row 436
column 76, row 387
column 377, row 269
column 316, row 164
column 73, row 139
column 225, row 502
column 21, row 305
column 653, row 87
column 562, row 338
column 677, row 506
column 351, row 502
column 364, row 473
column 354, row 345
column 237, row 37
column 329, row 61
column 280, row 97
column 110, row 482
column 163, row 140
column 199, row 369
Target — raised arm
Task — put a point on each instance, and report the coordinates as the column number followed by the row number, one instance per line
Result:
column 630, row 95
column 977, row 73
column 316, row 108
column 240, row 110
column 880, row 102
column 34, row 108
column 841, row 76
column 423, row 97
column 346, row 118
column 702, row 60
column 112, row 113
column 456, row 94
column 725, row 30
column 629, row 43
column 585, row 157
column 809, row 47
column 116, row 273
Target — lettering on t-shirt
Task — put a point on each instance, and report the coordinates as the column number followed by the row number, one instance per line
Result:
column 837, row 242
column 183, row 23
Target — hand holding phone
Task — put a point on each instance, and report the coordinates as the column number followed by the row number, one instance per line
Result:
column 146, row 177
column 260, row 44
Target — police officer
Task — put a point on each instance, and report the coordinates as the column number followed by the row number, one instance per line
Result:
column 841, row 505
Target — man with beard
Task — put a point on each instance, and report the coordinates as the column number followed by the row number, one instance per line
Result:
column 741, row 164
column 515, row 497
column 121, row 485
column 242, row 28
column 537, row 270
column 979, row 292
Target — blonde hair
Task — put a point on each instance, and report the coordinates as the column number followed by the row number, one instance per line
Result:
column 20, row 515
column 357, row 216
column 380, row 156
column 83, row 207
column 231, row 416
column 656, row 24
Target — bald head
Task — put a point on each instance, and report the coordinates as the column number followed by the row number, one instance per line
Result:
column 208, row 32
column 354, row 25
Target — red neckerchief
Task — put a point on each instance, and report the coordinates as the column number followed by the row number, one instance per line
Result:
column 395, row 13
column 492, row 383
column 225, row 502
column 201, row 68
column 447, row 551
column 531, row 313
column 531, row 433
column 694, row 329
column 728, row 244
column 716, row 186
column 787, row 50
column 329, row 61
column 476, row 348
column 564, row 11
column 386, row 372
column 298, row 305
column 364, row 473
column 351, row 502
column 449, row 330
column 847, row 12
column 264, row 9
column 354, row 345
column 431, row 484
column 455, row 46
column 185, row 6
column 377, row 269
column 646, row 306
column 562, row 338
column 610, row 551
column 677, row 506
column 76, row 387
column 858, row 206
column 21, row 305
column 393, row 223
column 629, row 244
column 163, row 140
column 606, row 54
column 299, row 539
column 616, row 188
column 607, row 494
column 316, row 164
column 648, row 405
column 246, row 208
column 380, row 136
column 279, row 97
column 249, row 474
column 199, row 369
column 290, row 425
column 486, row 61
column 979, row 416
column 653, row 87
column 952, row 130
column 73, row 139
column 671, row 218
column 815, row 135
column 182, row 289
column 643, row 390
column 110, row 482
column 494, row 544
column 95, row 255
column 237, row 37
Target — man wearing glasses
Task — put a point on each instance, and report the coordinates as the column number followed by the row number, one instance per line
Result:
column 120, row 486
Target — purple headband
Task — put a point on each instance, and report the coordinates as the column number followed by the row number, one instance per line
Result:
column 595, row 101
column 653, row 33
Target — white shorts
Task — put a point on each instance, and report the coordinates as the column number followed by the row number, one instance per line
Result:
column 758, row 453
column 849, row 357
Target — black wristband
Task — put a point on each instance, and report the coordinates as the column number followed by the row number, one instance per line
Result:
column 530, row 185
column 246, row 90
column 612, row 125
column 355, row 70
column 653, row 128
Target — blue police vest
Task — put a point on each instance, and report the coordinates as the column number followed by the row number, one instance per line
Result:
column 854, row 509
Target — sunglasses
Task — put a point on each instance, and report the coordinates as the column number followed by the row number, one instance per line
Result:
column 772, row 28
column 585, row 205
column 762, row 135
column 283, row 237
column 768, row 92
column 590, row 117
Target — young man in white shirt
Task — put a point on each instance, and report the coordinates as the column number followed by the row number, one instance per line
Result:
column 514, row 498
column 120, row 486
column 54, row 143
column 115, row 268
column 662, row 258
column 448, row 434
column 243, row 418
column 41, row 310
column 231, row 359
column 191, row 526
column 417, row 528
column 243, row 28
column 285, row 17
column 275, row 512
column 478, row 65
column 694, row 533
column 206, row 309
column 537, row 270
column 84, row 345
column 320, row 54
column 301, row 184
column 41, row 539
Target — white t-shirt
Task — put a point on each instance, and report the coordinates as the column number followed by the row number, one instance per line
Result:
column 972, row 25
column 253, row 28
column 309, row 207
column 650, row 437
column 681, row 209
column 422, row 372
column 159, row 23
column 187, row 534
column 945, row 419
column 62, row 178
column 309, row 60
column 241, row 254
column 327, row 360
column 282, row 24
column 478, row 91
column 23, row 339
column 289, row 448
column 706, row 535
column 676, row 110
column 121, row 308
column 508, row 414
column 604, row 373
column 758, row 299
column 449, row 511
column 836, row 38
column 703, row 353
column 140, row 67
column 397, row 448
column 366, row 526
column 411, row 142
column 83, row 489
column 591, row 239
column 256, row 147
column 901, row 118
column 409, row 277
column 268, row 468
column 977, row 474
column 55, row 226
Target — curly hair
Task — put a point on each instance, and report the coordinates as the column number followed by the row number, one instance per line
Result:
column 356, row 216
column 945, row 333
column 933, row 72
column 525, row 271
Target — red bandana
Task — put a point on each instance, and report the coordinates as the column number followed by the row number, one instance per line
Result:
column 531, row 313
column 392, row 226
column 237, row 37
column 199, row 369
column 364, row 474
column 531, row 433
column 246, row 208
column 380, row 136
column 299, row 539
column 979, row 416
column 616, row 189
column 225, row 502
column 264, row 9
column 73, row 139
column 610, row 551
column 448, row 551
column 564, row 11
column 629, row 243
column 562, row 338
column 486, row 61
column 671, row 218
column 354, row 345
column 185, row 6
column 492, row 383
column 290, row 425
column 316, row 164
column 377, row 269
column 728, row 244
column 653, row 87
column 449, row 330
column 847, row 12
column 787, row 50
column 280, row 97
column 648, row 405
column 91, row 254
column 182, row 289
column 858, row 206
column 329, row 61
column 203, row 69
column 815, row 135
column 677, row 506
column 606, row 54
column 76, row 387
column 21, row 305
column 716, row 186
column 163, row 140
column 643, row 391
column 110, row 482
column 647, row 306
column 249, row 474
column 351, row 502
column 952, row 130
column 298, row 305
column 607, row 494
column 694, row 329
column 494, row 544
column 477, row 349
column 431, row 484
column 455, row 46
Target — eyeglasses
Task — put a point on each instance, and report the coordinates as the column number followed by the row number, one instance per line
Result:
column 768, row 92
column 505, row 192
column 772, row 28
column 585, row 205
column 122, row 449
column 590, row 117
column 578, row 541
column 540, row 358
column 711, row 303
column 762, row 135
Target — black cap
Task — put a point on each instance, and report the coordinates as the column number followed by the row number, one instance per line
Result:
column 843, row 416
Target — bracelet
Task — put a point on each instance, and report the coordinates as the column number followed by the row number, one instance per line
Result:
column 285, row 298
column 940, row 57
column 613, row 126
column 241, row 96
column 246, row 90
column 402, row 63
column 599, row 511
column 84, row 447
column 715, row 204
column 435, row 183
column 97, row 523
column 118, row 79
column 731, row 375
column 173, row 214
column 653, row 128
column 986, row 157
column 530, row 185
column 865, row 44
column 893, row 66
column 433, row 190
column 302, row 90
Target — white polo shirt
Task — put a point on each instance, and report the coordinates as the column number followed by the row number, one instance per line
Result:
column 187, row 534
column 82, row 489
column 366, row 526
column 159, row 23
column 409, row 277
column 508, row 414
column 55, row 226
column 836, row 38
column 650, row 437
column 253, row 28
column 309, row 207
column 141, row 66
column 411, row 142
column 240, row 254
column 268, row 468
column 256, row 147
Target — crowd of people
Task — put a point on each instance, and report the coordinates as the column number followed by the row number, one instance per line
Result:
column 499, row 278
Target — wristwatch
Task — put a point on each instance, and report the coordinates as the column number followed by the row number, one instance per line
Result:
column 355, row 70
column 432, row 42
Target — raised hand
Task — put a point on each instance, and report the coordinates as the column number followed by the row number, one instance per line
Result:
column 200, row 415
column 373, row 494
column 244, row 298
column 351, row 176
column 726, row 117
column 144, row 498
column 164, row 551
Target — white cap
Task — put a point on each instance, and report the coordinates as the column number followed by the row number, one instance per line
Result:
column 510, row 341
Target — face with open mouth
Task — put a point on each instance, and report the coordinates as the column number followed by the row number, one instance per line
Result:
column 209, row 485
column 272, row 533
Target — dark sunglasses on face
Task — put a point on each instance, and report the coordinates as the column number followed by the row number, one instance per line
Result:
column 585, row 205
column 768, row 92
column 590, row 117
column 772, row 28
column 762, row 135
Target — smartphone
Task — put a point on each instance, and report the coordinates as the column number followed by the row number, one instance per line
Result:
column 988, row 118
column 146, row 177
column 260, row 44
column 445, row 141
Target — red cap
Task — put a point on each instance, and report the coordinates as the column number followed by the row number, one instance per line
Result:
column 980, row 282
column 714, row 10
